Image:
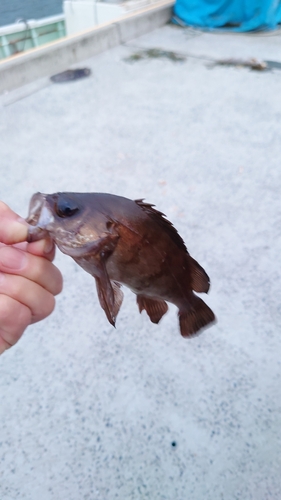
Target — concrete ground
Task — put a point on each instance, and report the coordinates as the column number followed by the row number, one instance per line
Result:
column 92, row 413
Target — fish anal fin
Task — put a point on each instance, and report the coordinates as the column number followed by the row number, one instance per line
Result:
column 200, row 281
column 195, row 317
column 155, row 308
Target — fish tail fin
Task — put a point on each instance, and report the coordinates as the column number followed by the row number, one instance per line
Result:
column 195, row 317
column 155, row 308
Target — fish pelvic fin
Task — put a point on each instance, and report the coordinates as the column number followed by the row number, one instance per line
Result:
column 200, row 281
column 110, row 297
column 155, row 308
column 197, row 316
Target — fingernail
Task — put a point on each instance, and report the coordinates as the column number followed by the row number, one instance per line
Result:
column 12, row 258
column 22, row 221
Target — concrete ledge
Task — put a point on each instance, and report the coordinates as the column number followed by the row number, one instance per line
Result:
column 58, row 56
column 142, row 22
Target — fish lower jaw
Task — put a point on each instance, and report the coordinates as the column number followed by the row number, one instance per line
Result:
column 35, row 233
column 71, row 250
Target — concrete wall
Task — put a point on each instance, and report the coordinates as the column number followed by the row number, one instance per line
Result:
column 58, row 56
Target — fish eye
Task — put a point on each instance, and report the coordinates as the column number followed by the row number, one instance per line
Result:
column 66, row 208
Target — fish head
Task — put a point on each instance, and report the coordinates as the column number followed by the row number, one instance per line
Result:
column 73, row 220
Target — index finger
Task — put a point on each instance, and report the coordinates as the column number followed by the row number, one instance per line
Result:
column 43, row 248
column 11, row 229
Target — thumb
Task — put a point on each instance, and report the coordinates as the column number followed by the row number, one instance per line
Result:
column 13, row 229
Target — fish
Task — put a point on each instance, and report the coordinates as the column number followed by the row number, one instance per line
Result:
column 125, row 242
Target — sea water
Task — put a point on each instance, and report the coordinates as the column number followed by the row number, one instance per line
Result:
column 12, row 10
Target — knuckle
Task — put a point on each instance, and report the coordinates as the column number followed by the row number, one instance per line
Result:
column 24, row 316
column 58, row 283
column 4, row 207
column 50, row 304
column 54, row 278
column 5, row 308
column 44, row 308
column 15, row 286
column 14, row 317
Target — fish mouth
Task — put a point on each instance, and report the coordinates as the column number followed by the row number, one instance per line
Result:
column 89, row 248
column 42, row 224
column 40, row 220
column 44, row 221
column 74, row 252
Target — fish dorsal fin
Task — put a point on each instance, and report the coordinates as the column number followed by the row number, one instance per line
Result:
column 200, row 281
column 158, row 217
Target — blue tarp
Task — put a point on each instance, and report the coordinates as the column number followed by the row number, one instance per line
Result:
column 235, row 15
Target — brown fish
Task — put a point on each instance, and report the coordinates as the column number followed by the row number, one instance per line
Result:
column 121, row 241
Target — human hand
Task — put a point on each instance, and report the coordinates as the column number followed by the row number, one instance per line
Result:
column 28, row 279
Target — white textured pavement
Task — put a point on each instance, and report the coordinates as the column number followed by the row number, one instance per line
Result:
column 88, row 412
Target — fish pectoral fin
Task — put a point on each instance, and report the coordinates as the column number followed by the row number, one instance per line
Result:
column 200, row 281
column 155, row 308
column 106, row 298
column 197, row 316
column 118, row 297
column 110, row 297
